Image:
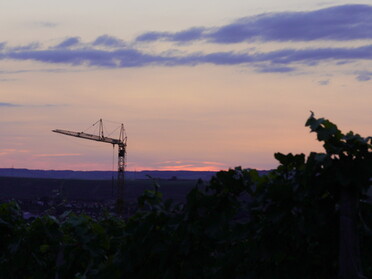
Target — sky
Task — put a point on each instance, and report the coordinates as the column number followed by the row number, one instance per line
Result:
column 199, row 85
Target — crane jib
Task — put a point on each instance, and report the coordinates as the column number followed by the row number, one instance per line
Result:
column 88, row 136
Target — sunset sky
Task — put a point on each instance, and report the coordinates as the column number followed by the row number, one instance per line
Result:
column 199, row 85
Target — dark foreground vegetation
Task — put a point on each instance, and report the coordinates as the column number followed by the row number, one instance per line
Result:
column 309, row 218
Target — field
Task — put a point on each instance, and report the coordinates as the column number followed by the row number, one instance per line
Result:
column 37, row 195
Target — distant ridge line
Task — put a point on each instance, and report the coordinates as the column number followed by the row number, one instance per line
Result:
column 105, row 175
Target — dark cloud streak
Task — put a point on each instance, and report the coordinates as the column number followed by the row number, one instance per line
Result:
column 108, row 41
column 338, row 23
column 31, row 46
column 323, row 82
column 90, row 57
column 275, row 69
column 69, row 42
column 188, row 35
column 46, row 24
column 363, row 76
column 12, row 105
column 8, row 105
column 121, row 58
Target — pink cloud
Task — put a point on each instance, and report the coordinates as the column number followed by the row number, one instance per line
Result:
column 213, row 163
column 12, row 150
column 57, row 155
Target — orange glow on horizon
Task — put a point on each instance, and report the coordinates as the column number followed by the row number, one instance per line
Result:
column 188, row 168
column 179, row 166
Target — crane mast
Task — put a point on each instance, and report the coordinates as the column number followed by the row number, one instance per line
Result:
column 122, row 144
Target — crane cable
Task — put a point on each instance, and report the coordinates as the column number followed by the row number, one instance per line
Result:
column 104, row 127
column 94, row 124
column 113, row 131
column 113, row 169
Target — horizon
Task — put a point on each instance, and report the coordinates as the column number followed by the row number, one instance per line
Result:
column 114, row 171
column 199, row 86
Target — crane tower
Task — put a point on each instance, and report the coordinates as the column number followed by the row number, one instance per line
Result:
column 122, row 144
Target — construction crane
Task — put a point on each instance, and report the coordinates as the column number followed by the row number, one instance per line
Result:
column 121, row 142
